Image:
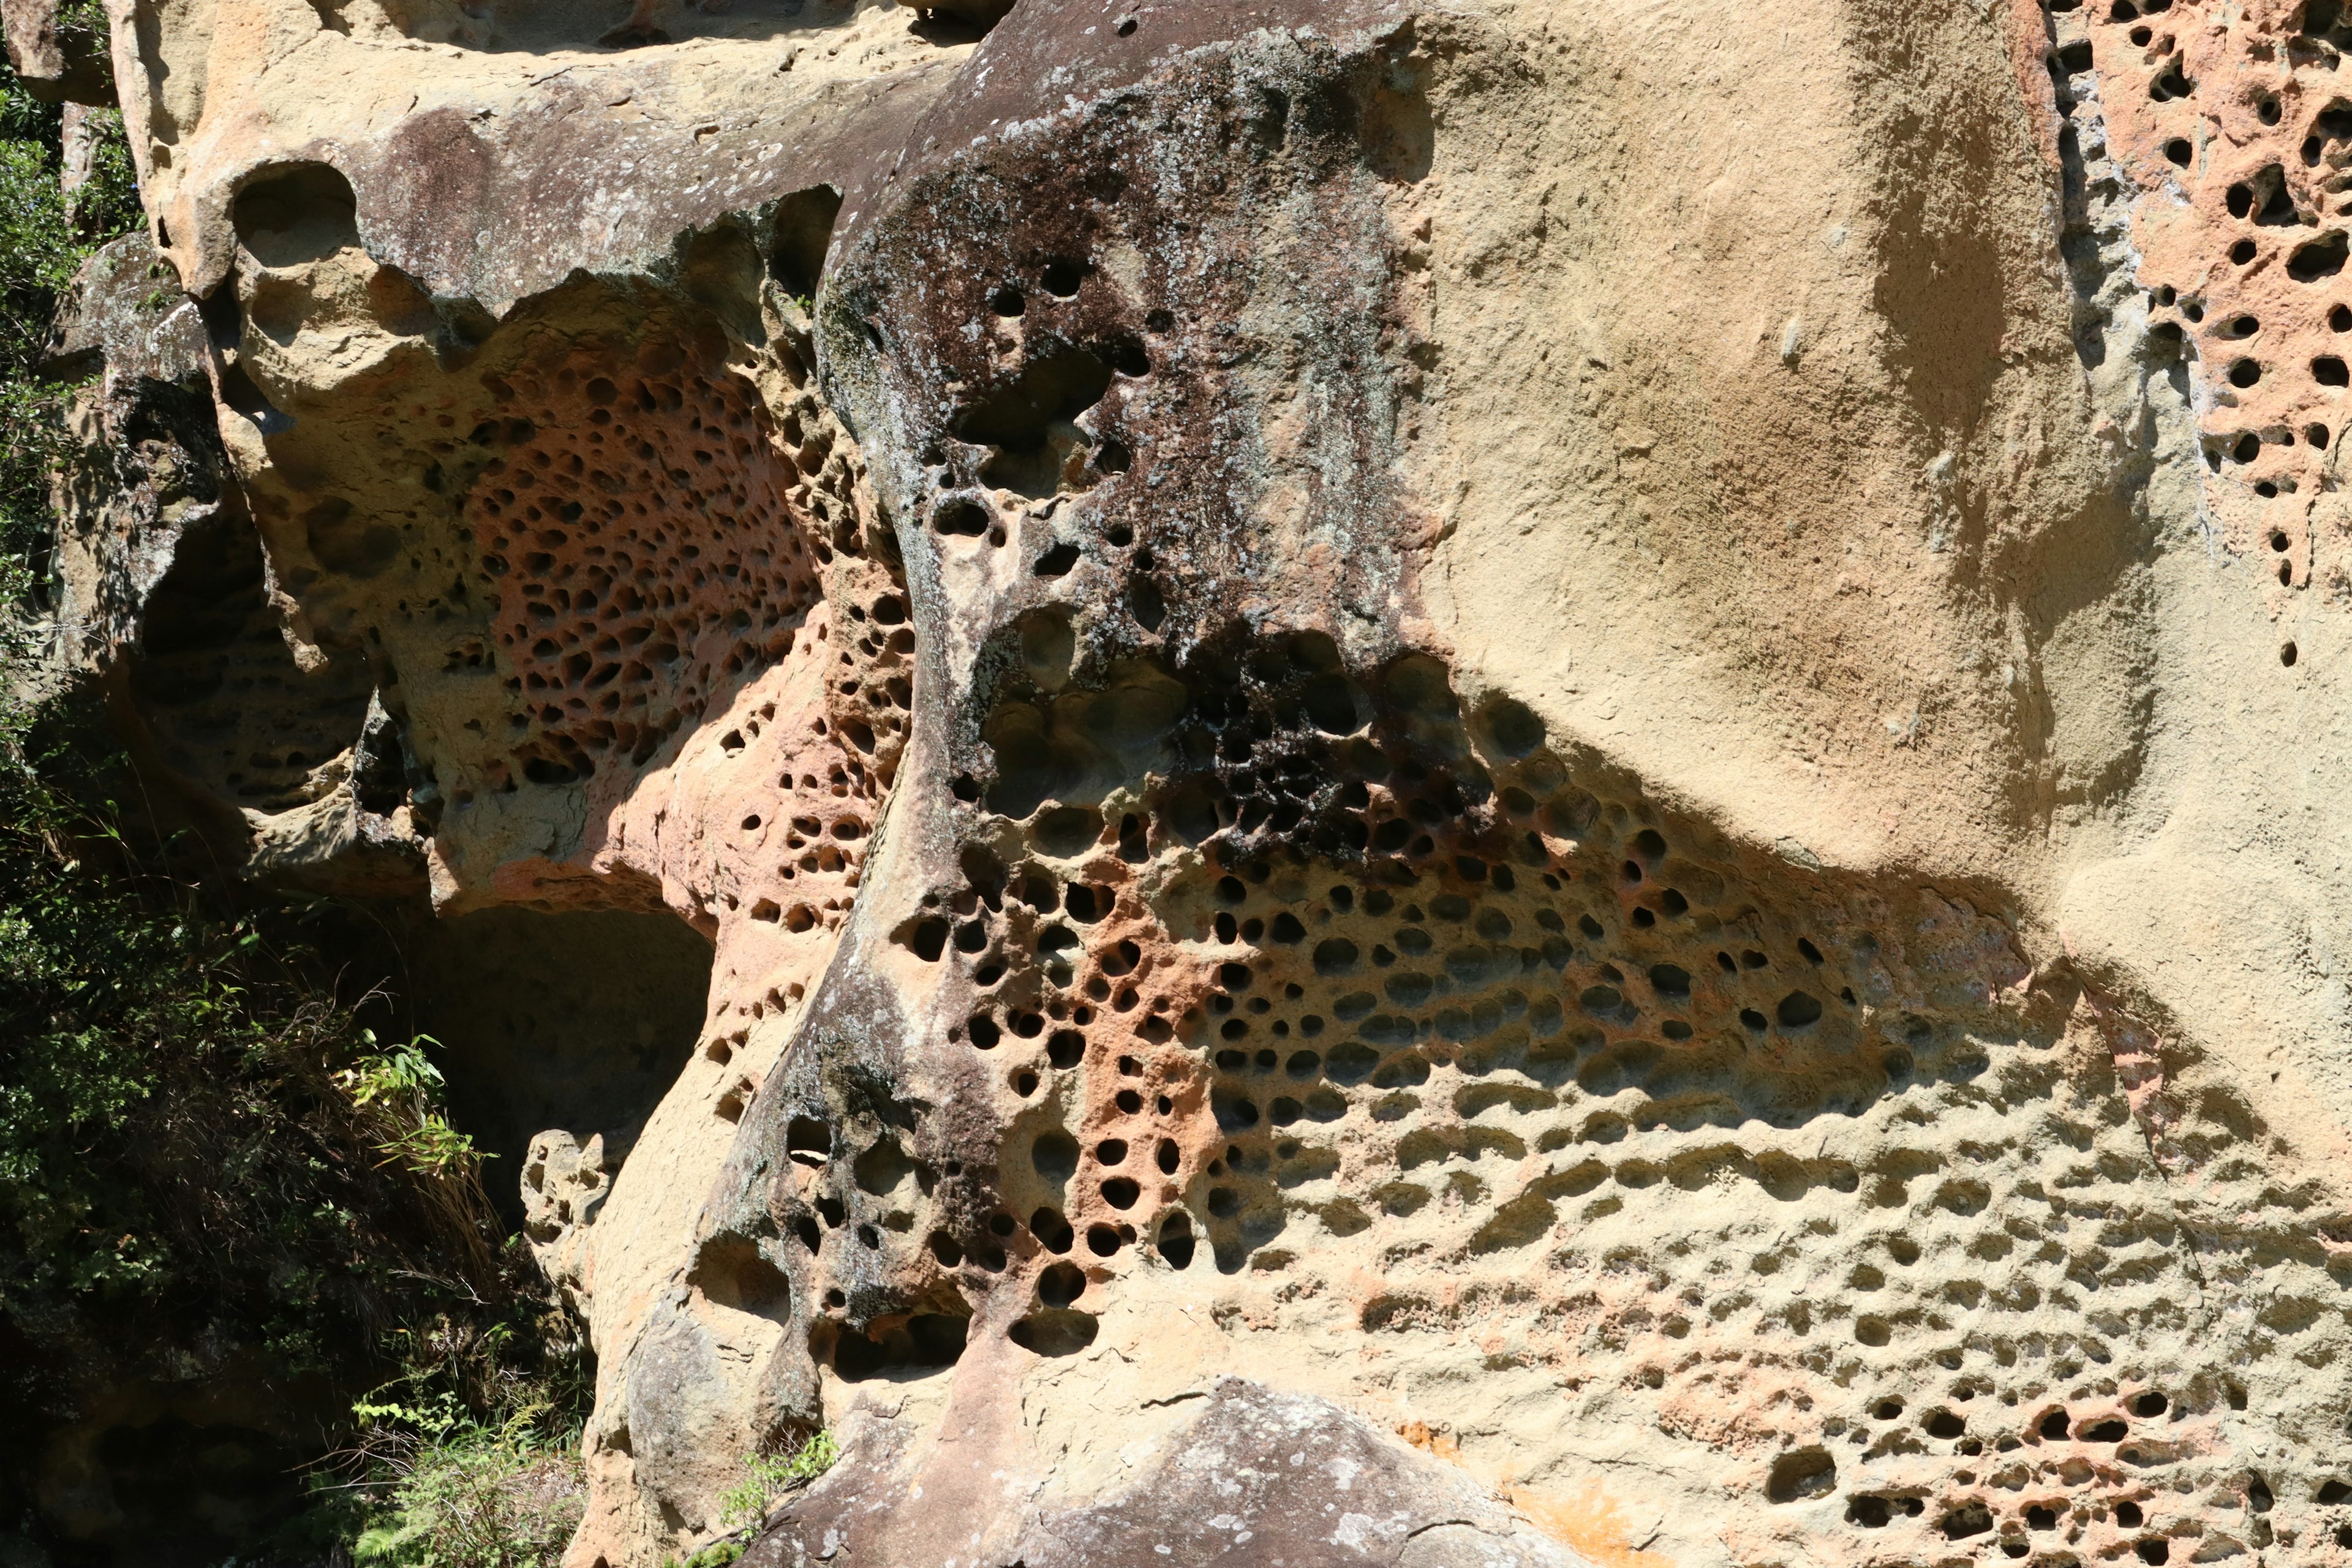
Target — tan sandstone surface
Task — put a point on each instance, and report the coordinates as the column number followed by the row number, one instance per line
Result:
column 1474, row 783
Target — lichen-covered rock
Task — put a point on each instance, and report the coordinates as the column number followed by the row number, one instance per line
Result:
column 1223, row 1471
column 1577, row 737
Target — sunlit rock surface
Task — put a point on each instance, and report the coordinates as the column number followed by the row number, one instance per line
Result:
column 1494, row 782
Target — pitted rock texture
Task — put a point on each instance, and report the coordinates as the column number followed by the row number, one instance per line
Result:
column 2228, row 132
column 1563, row 736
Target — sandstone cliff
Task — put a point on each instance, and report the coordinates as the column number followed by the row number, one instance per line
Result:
column 1477, row 781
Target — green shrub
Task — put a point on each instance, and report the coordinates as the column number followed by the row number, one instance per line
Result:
column 45, row 236
column 451, row 1491
column 176, row 1124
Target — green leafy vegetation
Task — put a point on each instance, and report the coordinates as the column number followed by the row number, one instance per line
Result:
column 769, row 1476
column 201, row 1145
column 444, row 1488
column 404, row 1084
column 46, row 234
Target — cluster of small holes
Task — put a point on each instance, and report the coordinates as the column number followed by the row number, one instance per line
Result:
column 1461, row 1013
column 871, row 694
column 1046, row 423
column 2097, row 1474
column 1048, row 978
column 1505, row 1034
column 797, row 867
column 1263, row 745
column 1017, row 437
column 1546, row 968
column 2241, row 117
column 1519, row 1079
column 640, row 532
column 872, row 1256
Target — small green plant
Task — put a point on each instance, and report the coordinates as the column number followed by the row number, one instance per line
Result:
column 768, row 1476
column 404, row 1084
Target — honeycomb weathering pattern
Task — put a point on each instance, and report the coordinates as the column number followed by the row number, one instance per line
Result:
column 695, row 580
column 1238, row 1026
column 2229, row 130
column 1789, row 1166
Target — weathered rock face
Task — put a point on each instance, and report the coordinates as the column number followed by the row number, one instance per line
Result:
column 1488, row 782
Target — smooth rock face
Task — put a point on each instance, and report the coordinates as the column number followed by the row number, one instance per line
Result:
column 1555, row 765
